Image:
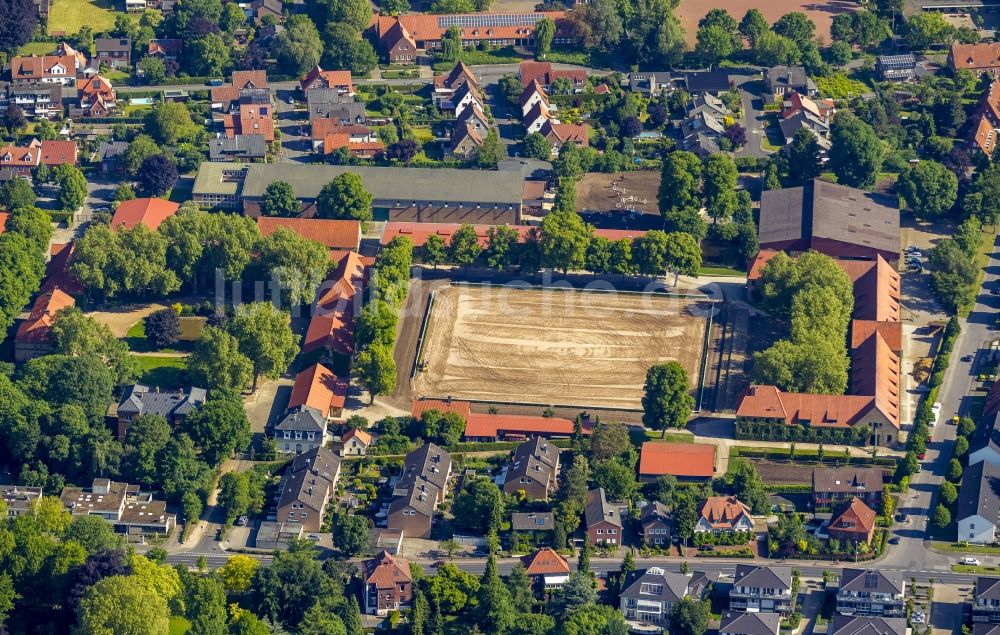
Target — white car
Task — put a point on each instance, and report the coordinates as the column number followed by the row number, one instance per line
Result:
column 936, row 411
column 918, row 618
column 970, row 561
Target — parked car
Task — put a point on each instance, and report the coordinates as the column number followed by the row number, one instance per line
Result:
column 969, row 560
column 918, row 617
column 242, row 521
column 936, row 411
column 894, row 540
column 438, row 564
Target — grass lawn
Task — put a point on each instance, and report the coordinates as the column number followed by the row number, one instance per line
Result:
column 165, row 372
column 191, row 328
column 964, row 568
column 179, row 625
column 638, row 437
column 772, row 139
column 957, row 547
column 67, row 16
column 36, row 48
column 711, row 270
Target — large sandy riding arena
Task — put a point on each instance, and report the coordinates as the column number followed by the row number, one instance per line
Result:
column 691, row 11
column 621, row 192
column 553, row 347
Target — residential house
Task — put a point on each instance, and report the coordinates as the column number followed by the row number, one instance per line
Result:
column 651, row 83
column 534, row 469
column 97, row 97
column 306, row 488
column 34, row 335
column 871, row 592
column 654, row 520
column 360, row 141
column 703, row 125
column 339, row 81
column 985, row 443
column 401, row 38
column 21, row 161
column 466, row 96
column 466, row 140
column 723, row 514
column 446, row 85
column 129, row 510
column 543, row 73
column 174, row 406
column 737, row 623
column 536, row 117
column 686, row 461
column 533, row 94
column 985, row 124
column 19, row 498
column 538, row 525
column 331, row 326
column 164, row 48
column 559, row 134
column 547, row 569
column 761, row 590
column 427, row 464
column 260, row 9
column 819, row 126
column 111, row 154
column 649, row 595
column 792, row 103
column 603, row 519
column 329, row 103
column 55, row 152
column 150, row 212
column 355, row 442
column 896, row 68
column 978, row 58
column 226, row 98
column 856, row 625
column 253, row 116
column 388, row 584
column 301, row 429
column 423, row 484
column 113, row 52
column 986, row 600
column 45, row 69
column 79, row 59
column 833, row 485
column 476, row 119
column 781, row 80
column 979, row 504
column 853, row 522
column 318, row 387
column 239, row 147
column 37, row 101
column 706, row 82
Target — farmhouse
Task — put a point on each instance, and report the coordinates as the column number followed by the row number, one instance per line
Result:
column 982, row 135
column 331, row 327
column 686, row 461
column 356, row 442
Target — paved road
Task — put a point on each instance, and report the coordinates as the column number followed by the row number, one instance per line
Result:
column 753, row 116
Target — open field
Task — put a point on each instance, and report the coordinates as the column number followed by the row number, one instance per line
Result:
column 546, row 346
column 594, row 193
column 690, row 11
column 67, row 16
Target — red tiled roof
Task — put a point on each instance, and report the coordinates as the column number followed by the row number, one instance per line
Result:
column 332, row 79
column 320, row 127
column 545, row 561
column 317, row 387
column 756, row 268
column 57, row 272
column 679, row 459
column 420, row 406
column 855, row 517
column 363, row 437
column 818, row 411
column 488, row 425
column 151, row 212
column 875, row 372
column 334, row 234
column 40, row 66
column 38, row 327
column 561, row 133
column 975, row 56
column 332, row 323
column 20, row 157
column 336, row 140
column 58, row 151
column 891, row 332
column 427, row 28
column 250, row 79
column 723, row 511
column 250, row 120
column 386, row 571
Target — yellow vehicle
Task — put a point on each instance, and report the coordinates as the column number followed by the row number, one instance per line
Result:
column 955, row 420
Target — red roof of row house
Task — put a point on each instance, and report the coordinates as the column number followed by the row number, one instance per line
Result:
column 458, row 75
column 986, row 121
column 332, row 323
column 692, row 460
column 319, row 78
column 478, row 425
column 419, row 28
column 975, row 57
column 41, row 67
column 250, row 120
column 320, row 127
column 317, row 387
column 38, row 327
column 543, row 72
column 333, row 233
column 51, row 152
column 418, row 233
column 365, row 149
column 150, row 212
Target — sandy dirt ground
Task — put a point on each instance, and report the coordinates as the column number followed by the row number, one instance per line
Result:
column 122, row 320
column 594, row 192
column 555, row 347
column 690, row 11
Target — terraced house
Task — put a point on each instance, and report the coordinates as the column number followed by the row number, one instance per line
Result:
column 871, row 592
column 986, row 600
column 762, row 589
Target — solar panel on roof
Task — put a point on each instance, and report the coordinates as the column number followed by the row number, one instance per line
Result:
column 485, row 20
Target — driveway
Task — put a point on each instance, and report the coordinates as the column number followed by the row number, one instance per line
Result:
column 268, row 403
column 753, row 116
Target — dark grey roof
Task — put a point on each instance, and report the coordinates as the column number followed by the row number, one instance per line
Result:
column 849, row 625
column 53, row 91
column 428, row 463
column 112, row 44
column 255, row 96
column 791, row 76
column 532, row 521
column 750, row 623
column 653, row 512
column 302, row 419
column 748, row 575
column 140, row 400
column 248, row 146
column 308, row 487
column 328, row 103
column 987, row 588
column 421, row 497
column 598, row 509
column 534, row 459
column 319, row 460
column 871, row 581
column 987, row 434
column 803, row 119
column 111, row 149
column 979, row 628
column 656, row 584
column 979, row 493
column 832, row 211
column 896, row 62
column 707, row 81
column 852, row 480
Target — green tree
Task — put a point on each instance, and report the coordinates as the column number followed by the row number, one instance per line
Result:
column 279, row 200
column 434, row 252
column 451, row 44
column 343, row 47
column 804, row 156
column 492, row 151
column 656, row 33
column 207, row 55
column 345, row 197
column 666, row 400
column 475, row 504
column 501, row 247
column 954, row 470
column 680, row 183
column 565, row 200
column 545, row 31
column 116, row 604
column 929, row 188
column 720, row 186
column 205, row 601
column 377, row 323
column 153, row 69
column 72, row 186
column 217, row 363
column 617, row 479
column 295, row 264
column 772, row 49
column 84, row 381
column 954, row 274
column 856, row 154
column 464, row 247
column 76, row 334
column 234, row 495
column 350, row 534
column 797, row 27
column 814, row 366
column 753, row 25
column 169, row 122
column 238, row 572
column 139, row 149
column 565, row 238
column 941, row 517
column 598, row 257
column 961, row 446
column 535, row 146
column 17, row 193
column 220, row 428
column 926, row 28
column 265, row 337
column 594, row 619
column 714, row 44
column 969, row 234
column 298, row 47
column 375, row 370
column 689, row 617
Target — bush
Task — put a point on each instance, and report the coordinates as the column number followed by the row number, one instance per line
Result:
column 163, row 328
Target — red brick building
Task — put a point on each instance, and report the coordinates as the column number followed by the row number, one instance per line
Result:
column 388, row 585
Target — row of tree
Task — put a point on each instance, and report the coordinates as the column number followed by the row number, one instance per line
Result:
column 345, row 197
